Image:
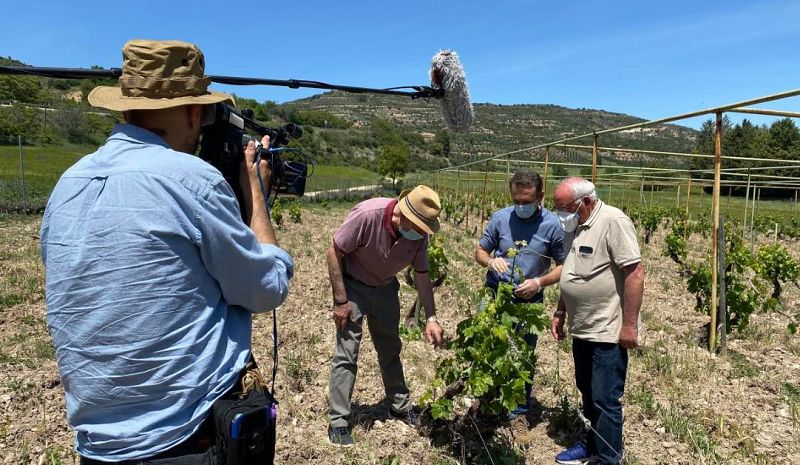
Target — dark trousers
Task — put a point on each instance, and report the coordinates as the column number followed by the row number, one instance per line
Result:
column 600, row 371
column 381, row 305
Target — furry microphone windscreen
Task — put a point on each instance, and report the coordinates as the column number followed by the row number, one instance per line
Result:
column 448, row 74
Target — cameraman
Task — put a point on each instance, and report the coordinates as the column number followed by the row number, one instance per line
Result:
column 152, row 277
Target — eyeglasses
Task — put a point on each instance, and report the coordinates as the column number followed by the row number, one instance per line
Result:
column 568, row 209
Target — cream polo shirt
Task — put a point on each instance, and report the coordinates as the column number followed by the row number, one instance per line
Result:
column 592, row 280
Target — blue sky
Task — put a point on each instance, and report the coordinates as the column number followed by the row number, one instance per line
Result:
column 649, row 59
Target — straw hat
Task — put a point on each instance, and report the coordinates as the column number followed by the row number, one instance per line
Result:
column 157, row 75
column 421, row 206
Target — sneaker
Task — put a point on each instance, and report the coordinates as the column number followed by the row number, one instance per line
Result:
column 410, row 417
column 576, row 454
column 520, row 411
column 340, row 436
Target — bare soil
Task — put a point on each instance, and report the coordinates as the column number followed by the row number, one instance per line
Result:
column 683, row 405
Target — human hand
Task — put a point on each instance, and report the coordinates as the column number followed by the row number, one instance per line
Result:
column 629, row 337
column 498, row 264
column 528, row 288
column 433, row 333
column 557, row 326
column 248, row 172
column 341, row 313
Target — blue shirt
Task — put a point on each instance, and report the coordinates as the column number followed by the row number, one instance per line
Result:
column 151, row 278
column 541, row 232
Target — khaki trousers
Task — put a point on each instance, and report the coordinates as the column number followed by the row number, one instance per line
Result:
column 381, row 306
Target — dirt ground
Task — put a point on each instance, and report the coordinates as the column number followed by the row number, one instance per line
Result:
column 682, row 404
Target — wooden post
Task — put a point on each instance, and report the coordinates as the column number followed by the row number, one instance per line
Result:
column 469, row 198
column 678, row 198
column 458, row 184
column 712, row 339
column 483, row 200
column 723, row 308
column 609, row 192
column 746, row 202
column 508, row 175
column 641, row 190
column 594, row 159
column 753, row 215
column 758, row 201
column 22, row 175
column 544, row 176
column 686, row 220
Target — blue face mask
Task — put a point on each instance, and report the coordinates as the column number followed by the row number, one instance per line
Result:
column 411, row 235
column 525, row 210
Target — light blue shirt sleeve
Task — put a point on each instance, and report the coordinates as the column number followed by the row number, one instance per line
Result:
column 251, row 275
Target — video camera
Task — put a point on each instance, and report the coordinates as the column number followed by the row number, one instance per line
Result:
column 223, row 136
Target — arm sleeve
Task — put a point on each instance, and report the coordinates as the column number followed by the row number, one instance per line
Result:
column 490, row 240
column 623, row 244
column 557, row 246
column 350, row 234
column 251, row 275
column 420, row 261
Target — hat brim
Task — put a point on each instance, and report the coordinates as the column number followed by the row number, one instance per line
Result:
column 111, row 98
column 428, row 227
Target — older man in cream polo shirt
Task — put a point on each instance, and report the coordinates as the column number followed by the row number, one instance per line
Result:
column 602, row 283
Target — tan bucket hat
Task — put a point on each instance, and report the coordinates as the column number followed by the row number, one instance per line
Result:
column 421, row 206
column 158, row 74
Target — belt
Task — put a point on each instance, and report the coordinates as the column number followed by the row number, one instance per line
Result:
column 351, row 278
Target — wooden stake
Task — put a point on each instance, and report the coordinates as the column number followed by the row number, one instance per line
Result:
column 686, row 223
column 723, row 308
column 469, row 198
column 544, row 176
column 594, row 160
column 483, row 200
column 712, row 339
column 746, row 202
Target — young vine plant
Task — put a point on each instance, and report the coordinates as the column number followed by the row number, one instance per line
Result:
column 490, row 360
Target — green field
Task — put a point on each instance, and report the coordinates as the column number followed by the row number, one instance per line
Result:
column 327, row 177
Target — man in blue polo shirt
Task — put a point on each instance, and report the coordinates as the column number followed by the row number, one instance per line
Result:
column 525, row 221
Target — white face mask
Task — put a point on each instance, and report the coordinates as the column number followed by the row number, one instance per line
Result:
column 569, row 221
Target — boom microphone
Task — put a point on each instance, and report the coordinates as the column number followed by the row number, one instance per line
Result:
column 448, row 83
column 447, row 75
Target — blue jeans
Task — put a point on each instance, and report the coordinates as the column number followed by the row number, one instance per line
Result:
column 600, row 371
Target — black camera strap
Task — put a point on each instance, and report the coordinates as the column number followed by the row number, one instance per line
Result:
column 265, row 191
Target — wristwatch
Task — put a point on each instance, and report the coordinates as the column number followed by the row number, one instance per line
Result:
column 431, row 319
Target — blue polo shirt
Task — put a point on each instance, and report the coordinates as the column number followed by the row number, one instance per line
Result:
column 541, row 232
column 151, row 279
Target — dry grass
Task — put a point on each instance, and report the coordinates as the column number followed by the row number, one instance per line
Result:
column 682, row 404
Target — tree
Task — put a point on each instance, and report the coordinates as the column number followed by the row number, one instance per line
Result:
column 559, row 171
column 441, row 144
column 393, row 161
column 21, row 88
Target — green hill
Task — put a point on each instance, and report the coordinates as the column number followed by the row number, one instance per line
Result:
column 340, row 127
